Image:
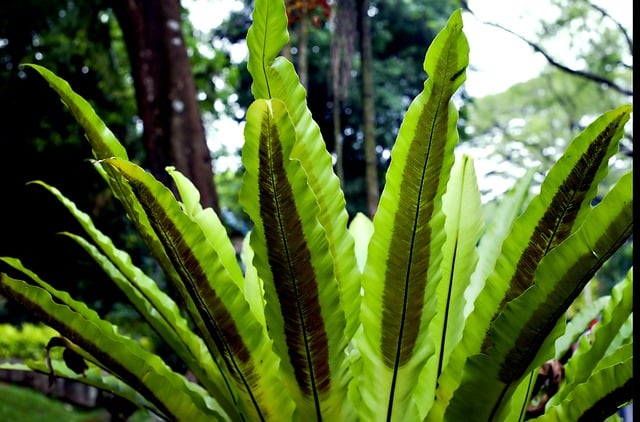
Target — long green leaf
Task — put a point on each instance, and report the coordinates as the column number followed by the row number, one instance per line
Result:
column 105, row 145
column 94, row 376
column 524, row 334
column 561, row 207
column 275, row 78
column 555, row 213
column 232, row 333
column 153, row 304
column 168, row 323
column 404, row 259
column 464, row 222
column 601, row 395
column 592, row 349
column 463, row 209
column 306, row 321
column 140, row 369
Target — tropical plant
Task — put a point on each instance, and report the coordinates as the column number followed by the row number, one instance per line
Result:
column 416, row 315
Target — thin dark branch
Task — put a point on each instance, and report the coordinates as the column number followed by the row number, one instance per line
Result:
column 587, row 75
column 624, row 32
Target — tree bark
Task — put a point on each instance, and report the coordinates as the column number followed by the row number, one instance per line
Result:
column 369, row 113
column 342, row 45
column 173, row 133
column 303, row 47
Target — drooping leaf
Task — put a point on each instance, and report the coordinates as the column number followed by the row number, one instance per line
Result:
column 105, row 145
column 153, row 304
column 143, row 371
column 233, row 335
column 103, row 141
column 94, row 376
column 404, row 258
column 302, row 296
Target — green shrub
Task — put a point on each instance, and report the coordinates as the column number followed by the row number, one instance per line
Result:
column 420, row 314
column 28, row 341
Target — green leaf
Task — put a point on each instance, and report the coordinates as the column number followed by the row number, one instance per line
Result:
column 463, row 209
column 523, row 335
column 164, row 317
column 302, row 297
column 210, row 225
column 103, row 141
column 578, row 325
column 158, row 309
column 608, row 389
column 120, row 355
column 235, row 338
column 404, row 259
column 591, row 349
column 105, row 145
column 508, row 209
column 361, row 228
column 561, row 207
column 275, row 78
column 94, row 376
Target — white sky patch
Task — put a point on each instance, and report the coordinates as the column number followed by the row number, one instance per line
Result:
column 208, row 14
column 499, row 59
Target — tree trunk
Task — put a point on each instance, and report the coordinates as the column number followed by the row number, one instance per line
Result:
column 165, row 93
column 303, row 41
column 369, row 116
column 342, row 49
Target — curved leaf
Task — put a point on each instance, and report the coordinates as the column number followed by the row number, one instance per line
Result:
column 140, row 369
column 524, row 333
column 561, row 207
column 601, row 395
column 404, row 258
column 592, row 349
column 168, row 323
column 301, row 291
column 233, row 335
column 103, row 141
column 105, row 145
column 158, row 309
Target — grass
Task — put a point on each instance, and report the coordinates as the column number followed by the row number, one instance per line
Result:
column 21, row 404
